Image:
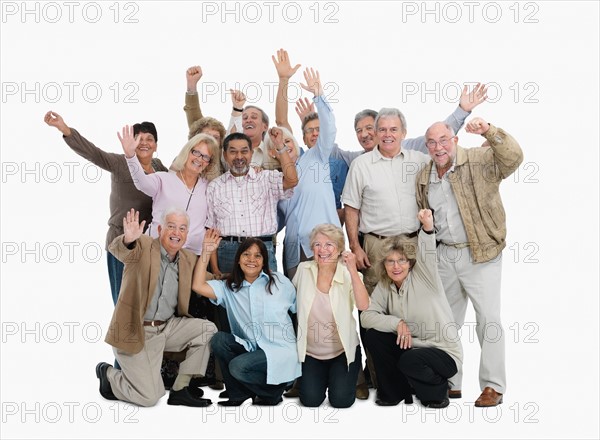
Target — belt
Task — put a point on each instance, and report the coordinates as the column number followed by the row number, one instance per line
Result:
column 154, row 323
column 456, row 245
column 381, row 237
column 240, row 239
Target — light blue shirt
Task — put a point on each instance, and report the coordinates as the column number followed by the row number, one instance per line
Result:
column 313, row 201
column 259, row 319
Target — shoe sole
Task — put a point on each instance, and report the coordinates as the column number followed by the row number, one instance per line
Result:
column 488, row 406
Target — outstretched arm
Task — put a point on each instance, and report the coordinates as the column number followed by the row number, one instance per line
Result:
column 284, row 71
column 288, row 167
column 192, row 100
column 56, row 120
column 209, row 246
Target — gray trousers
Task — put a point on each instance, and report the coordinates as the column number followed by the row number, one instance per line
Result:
column 464, row 280
column 139, row 380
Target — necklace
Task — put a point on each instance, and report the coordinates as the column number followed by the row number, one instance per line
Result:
column 187, row 188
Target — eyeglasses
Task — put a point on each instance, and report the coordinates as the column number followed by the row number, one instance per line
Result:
column 204, row 157
column 443, row 142
column 326, row 245
column 311, row 130
column 391, row 263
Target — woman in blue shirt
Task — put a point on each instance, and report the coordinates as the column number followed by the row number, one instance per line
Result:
column 258, row 358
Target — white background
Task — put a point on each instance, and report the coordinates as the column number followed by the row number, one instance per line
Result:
column 373, row 55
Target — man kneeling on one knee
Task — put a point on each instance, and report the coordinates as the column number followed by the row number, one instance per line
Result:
column 151, row 316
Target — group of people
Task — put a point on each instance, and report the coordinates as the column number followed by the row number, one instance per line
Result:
column 425, row 225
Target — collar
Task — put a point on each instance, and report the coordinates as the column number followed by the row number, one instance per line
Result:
column 260, row 275
column 165, row 256
column 338, row 276
column 250, row 175
column 378, row 156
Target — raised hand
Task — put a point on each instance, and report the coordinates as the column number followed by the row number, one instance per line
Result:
column 470, row 100
column 131, row 227
column 238, row 99
column 283, row 66
column 56, row 120
column 304, row 107
column 349, row 259
column 276, row 135
column 192, row 76
column 128, row 141
column 313, row 81
column 477, row 126
column 426, row 218
column 211, row 241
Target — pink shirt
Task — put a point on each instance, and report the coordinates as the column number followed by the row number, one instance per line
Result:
column 245, row 206
column 168, row 191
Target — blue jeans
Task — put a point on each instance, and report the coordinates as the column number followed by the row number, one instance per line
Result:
column 115, row 275
column 318, row 375
column 227, row 250
column 244, row 373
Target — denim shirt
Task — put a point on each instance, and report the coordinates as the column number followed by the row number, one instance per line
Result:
column 259, row 319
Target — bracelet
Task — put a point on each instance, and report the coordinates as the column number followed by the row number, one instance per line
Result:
column 238, row 109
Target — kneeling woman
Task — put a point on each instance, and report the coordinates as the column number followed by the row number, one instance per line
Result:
column 258, row 358
column 328, row 289
column 412, row 335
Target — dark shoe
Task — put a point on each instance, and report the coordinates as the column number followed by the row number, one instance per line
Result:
column 196, row 392
column 292, row 392
column 437, row 404
column 218, row 385
column 105, row 388
column 260, row 401
column 362, row 391
column 224, row 395
column 231, row 402
column 488, row 397
column 187, row 398
column 385, row 403
column 455, row 394
column 198, row 382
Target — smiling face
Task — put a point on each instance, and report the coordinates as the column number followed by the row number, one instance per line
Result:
column 251, row 263
column 325, row 249
column 311, row 133
column 253, row 125
column 441, row 144
column 365, row 133
column 198, row 159
column 238, row 156
column 173, row 234
column 390, row 134
column 397, row 267
column 146, row 147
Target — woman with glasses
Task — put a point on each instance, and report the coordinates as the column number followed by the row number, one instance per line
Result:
column 411, row 333
column 328, row 289
column 183, row 186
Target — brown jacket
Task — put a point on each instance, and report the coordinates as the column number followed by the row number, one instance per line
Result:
column 142, row 266
column 476, row 183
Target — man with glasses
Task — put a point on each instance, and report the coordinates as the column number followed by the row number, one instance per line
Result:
column 461, row 186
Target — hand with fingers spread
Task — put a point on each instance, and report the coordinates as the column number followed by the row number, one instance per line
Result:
column 212, row 238
column 283, row 65
column 238, row 99
column 192, row 76
column 404, row 339
column 477, row 126
column 132, row 228
column 470, row 100
column 304, row 107
column 313, row 82
column 129, row 142
column 55, row 120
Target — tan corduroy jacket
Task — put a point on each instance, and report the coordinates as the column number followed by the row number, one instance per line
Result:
column 142, row 267
column 476, row 182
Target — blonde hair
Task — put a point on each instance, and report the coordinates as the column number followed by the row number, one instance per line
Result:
column 407, row 247
column 332, row 232
column 212, row 170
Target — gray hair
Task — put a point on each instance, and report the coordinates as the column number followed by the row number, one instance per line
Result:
column 388, row 112
column 407, row 247
column 173, row 211
column 332, row 232
column 366, row 113
column 448, row 126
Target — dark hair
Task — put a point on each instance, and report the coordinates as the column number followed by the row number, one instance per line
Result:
column 145, row 127
column 236, row 277
column 236, row 136
column 312, row 116
column 364, row 114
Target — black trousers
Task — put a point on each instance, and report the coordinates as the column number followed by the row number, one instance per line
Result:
column 426, row 370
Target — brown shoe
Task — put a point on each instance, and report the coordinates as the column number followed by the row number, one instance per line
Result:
column 292, row 392
column 218, row 385
column 362, row 391
column 455, row 394
column 488, row 397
